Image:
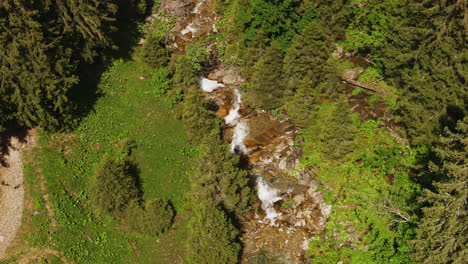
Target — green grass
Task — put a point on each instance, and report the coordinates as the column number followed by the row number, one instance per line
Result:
column 363, row 188
column 130, row 108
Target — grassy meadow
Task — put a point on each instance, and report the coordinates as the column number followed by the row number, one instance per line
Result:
column 59, row 224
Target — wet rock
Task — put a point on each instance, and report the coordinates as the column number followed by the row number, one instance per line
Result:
column 298, row 199
column 230, row 79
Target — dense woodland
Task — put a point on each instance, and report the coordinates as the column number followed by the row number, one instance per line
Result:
column 417, row 50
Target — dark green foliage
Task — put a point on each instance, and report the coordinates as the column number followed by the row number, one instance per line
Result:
column 213, row 238
column 335, row 15
column 154, row 52
column 113, row 187
column 300, row 105
column 140, row 6
column 339, row 133
column 332, row 131
column 367, row 30
column 274, row 17
column 152, row 218
column 443, row 234
column 426, row 57
column 305, row 60
column 266, row 88
column 200, row 121
column 183, row 75
column 42, row 43
column 219, row 178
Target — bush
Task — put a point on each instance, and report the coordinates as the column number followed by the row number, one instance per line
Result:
column 153, row 218
column 113, row 187
column 212, row 238
column 153, row 51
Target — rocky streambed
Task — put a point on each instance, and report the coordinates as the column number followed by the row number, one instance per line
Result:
column 290, row 209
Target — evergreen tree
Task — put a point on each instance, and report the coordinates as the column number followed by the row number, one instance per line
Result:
column 266, row 88
column 183, row 77
column 426, row 59
column 198, row 120
column 212, row 237
column 153, row 51
column 113, row 187
column 152, row 218
column 42, row 44
column 301, row 105
column 305, row 60
column 335, row 15
column 219, row 178
column 442, row 235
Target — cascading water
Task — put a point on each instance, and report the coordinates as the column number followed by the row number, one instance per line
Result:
column 197, row 7
column 209, row 85
column 268, row 196
column 240, row 126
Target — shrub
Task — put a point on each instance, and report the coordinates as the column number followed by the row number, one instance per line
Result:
column 153, row 51
column 113, row 187
column 212, row 237
column 153, row 218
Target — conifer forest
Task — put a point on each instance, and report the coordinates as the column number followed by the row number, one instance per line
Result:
column 233, row 131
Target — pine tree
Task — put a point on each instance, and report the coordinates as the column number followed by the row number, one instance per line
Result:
column 335, row 15
column 442, row 235
column 266, row 88
column 301, row 105
column 212, row 237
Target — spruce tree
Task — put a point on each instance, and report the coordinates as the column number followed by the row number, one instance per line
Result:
column 426, row 59
column 219, row 178
column 152, row 218
column 442, row 234
column 42, row 44
column 301, row 104
column 198, row 120
column 266, row 88
column 113, row 187
column 305, row 60
column 212, row 237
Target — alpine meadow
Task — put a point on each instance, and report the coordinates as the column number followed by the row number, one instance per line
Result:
column 233, row 131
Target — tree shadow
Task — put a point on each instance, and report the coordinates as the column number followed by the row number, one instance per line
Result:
column 125, row 38
column 453, row 114
column 5, row 142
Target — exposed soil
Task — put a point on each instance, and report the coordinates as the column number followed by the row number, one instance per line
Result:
column 11, row 188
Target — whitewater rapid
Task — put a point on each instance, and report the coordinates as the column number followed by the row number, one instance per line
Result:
column 267, row 194
column 241, row 129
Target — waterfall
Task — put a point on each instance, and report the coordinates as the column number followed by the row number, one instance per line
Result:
column 197, row 7
column 209, row 85
column 189, row 28
column 268, row 196
column 241, row 129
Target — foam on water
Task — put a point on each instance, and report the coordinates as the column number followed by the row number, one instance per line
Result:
column 241, row 129
column 197, row 7
column 268, row 196
column 189, row 28
column 209, row 85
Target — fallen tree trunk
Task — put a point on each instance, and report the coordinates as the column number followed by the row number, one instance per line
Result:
column 368, row 87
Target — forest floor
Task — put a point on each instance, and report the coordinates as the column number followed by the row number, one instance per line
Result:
column 11, row 189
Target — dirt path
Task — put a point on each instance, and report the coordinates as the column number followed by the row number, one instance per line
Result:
column 12, row 191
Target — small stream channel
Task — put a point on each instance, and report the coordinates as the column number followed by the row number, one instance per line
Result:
column 290, row 210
